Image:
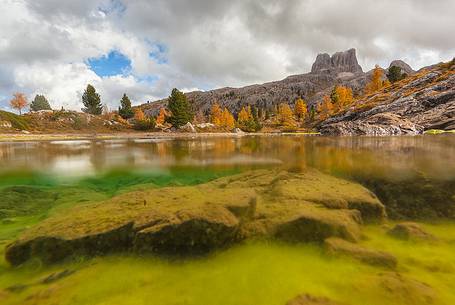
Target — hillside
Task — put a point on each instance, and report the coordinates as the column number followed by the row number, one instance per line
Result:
column 341, row 68
column 421, row 102
column 58, row 122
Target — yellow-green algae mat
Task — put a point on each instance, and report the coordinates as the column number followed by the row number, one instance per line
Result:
column 300, row 207
column 248, row 208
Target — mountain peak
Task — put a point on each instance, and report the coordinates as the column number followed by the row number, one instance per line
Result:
column 339, row 62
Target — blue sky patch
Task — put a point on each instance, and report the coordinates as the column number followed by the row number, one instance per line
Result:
column 114, row 63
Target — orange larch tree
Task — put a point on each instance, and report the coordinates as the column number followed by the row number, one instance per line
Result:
column 216, row 114
column 376, row 82
column 18, row 102
column 325, row 108
column 285, row 116
column 300, row 109
column 161, row 118
column 227, row 121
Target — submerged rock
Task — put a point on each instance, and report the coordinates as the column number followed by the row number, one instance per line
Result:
column 306, row 299
column 336, row 246
column 410, row 231
column 295, row 207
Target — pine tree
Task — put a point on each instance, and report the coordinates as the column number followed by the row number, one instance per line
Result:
column 394, row 75
column 300, row 109
column 180, row 109
column 92, row 101
column 40, row 103
column 125, row 110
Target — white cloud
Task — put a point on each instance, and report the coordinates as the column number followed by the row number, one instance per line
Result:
column 208, row 43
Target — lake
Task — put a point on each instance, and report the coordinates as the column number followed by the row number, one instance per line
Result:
column 47, row 185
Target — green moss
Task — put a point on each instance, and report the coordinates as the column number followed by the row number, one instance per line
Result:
column 18, row 122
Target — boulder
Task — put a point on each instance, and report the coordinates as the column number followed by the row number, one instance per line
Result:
column 238, row 131
column 6, row 124
column 314, row 226
column 189, row 232
column 306, row 299
column 401, row 289
column 405, row 68
column 337, row 246
column 188, row 220
column 410, row 231
column 188, row 127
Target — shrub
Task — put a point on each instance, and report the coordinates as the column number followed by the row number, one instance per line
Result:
column 146, row 124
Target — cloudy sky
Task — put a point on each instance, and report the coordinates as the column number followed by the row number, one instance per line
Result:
column 147, row 47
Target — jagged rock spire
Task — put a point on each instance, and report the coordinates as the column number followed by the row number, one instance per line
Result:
column 339, row 62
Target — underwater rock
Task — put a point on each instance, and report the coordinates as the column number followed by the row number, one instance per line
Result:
column 186, row 220
column 306, row 299
column 336, row 246
column 410, row 231
column 189, row 232
column 315, row 226
column 56, row 276
column 405, row 290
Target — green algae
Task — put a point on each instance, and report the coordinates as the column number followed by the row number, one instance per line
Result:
column 253, row 273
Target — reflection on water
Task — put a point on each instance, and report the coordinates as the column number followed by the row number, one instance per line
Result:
column 390, row 157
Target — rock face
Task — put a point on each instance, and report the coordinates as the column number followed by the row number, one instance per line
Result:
column 405, row 68
column 336, row 246
column 341, row 68
column 421, row 102
column 339, row 62
column 198, row 219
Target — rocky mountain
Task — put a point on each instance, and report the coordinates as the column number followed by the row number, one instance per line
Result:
column 340, row 68
column 423, row 101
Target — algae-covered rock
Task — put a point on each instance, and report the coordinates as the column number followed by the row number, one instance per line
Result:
column 404, row 290
column 184, row 220
column 410, row 231
column 306, row 299
column 336, row 246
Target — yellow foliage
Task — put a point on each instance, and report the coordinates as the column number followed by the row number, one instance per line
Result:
column 300, row 109
column 244, row 115
column 216, row 114
column 227, row 120
column 325, row 109
column 139, row 115
column 161, row 117
column 285, row 116
column 344, row 97
column 376, row 82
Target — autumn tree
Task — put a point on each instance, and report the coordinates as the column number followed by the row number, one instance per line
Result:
column 18, row 102
column 300, row 109
column 216, row 114
column 92, row 101
column 141, row 122
column 180, row 109
column 161, row 118
column 227, row 120
column 377, row 81
column 40, row 103
column 325, row 108
column 246, row 121
column 125, row 110
column 285, row 116
column 341, row 97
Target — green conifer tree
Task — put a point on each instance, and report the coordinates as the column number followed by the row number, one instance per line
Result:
column 180, row 109
column 125, row 110
column 92, row 101
column 40, row 103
